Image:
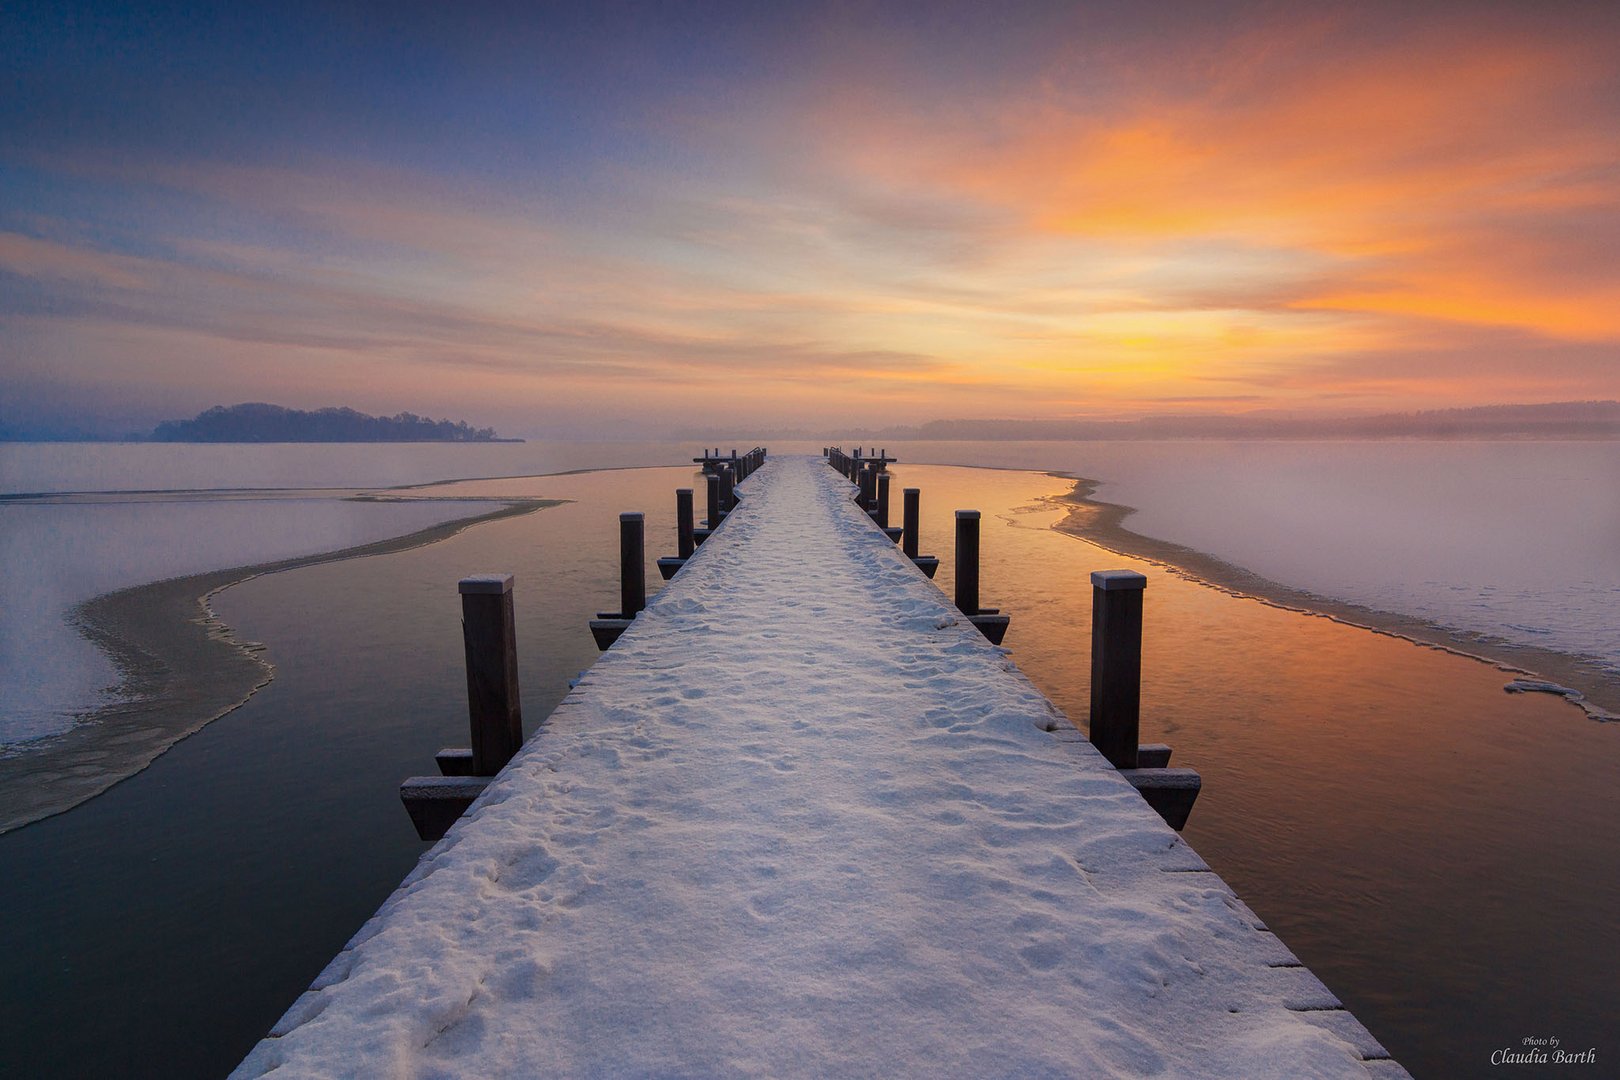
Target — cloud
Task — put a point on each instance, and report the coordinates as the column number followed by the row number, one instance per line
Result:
column 1457, row 170
column 1098, row 208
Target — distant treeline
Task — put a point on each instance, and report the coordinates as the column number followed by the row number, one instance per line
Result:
column 1561, row 420
column 257, row 422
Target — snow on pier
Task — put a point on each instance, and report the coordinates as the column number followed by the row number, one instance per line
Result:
column 803, row 820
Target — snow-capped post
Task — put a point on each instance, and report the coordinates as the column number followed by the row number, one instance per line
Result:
column 967, row 562
column 683, row 523
column 632, row 565
column 685, row 541
column 911, row 524
column 715, row 513
column 869, row 488
column 607, row 627
column 489, row 639
column 989, row 621
column 1116, row 698
column 909, row 534
column 1116, row 664
column 883, row 500
column 489, row 635
column 728, row 495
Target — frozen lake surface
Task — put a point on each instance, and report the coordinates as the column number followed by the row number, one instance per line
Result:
column 58, row 555
column 1519, row 541
column 1516, row 540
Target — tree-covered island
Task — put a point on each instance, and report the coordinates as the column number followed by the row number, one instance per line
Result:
column 258, row 422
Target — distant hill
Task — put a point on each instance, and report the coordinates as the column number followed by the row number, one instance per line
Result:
column 255, row 422
column 1558, row 420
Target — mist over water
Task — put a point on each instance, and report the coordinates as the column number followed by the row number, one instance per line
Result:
column 1513, row 539
column 64, row 467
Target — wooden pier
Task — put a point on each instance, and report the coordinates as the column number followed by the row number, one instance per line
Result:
column 804, row 818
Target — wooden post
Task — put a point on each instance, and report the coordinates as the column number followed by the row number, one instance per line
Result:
column 967, row 562
column 1116, row 664
column 489, row 636
column 632, row 565
column 869, row 488
column 715, row 513
column 912, row 522
column 883, row 500
column 728, row 495
column 683, row 523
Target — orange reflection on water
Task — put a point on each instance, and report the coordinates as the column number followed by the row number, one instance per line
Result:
column 1442, row 853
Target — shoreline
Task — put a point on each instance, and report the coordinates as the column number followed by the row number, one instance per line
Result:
column 180, row 669
column 1595, row 693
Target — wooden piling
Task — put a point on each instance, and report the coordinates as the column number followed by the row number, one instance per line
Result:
column 967, row 561
column 683, row 523
column 728, row 492
column 632, row 564
column 911, row 524
column 716, row 514
column 1116, row 664
column 883, row 500
column 489, row 636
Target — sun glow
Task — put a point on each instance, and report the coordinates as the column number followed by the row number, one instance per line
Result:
column 1305, row 212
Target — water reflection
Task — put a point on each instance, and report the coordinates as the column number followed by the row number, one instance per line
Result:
column 1443, row 854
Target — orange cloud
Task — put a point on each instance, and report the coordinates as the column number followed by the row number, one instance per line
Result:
column 1374, row 169
column 1318, row 212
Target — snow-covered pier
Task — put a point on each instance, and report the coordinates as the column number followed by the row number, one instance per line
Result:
column 803, row 819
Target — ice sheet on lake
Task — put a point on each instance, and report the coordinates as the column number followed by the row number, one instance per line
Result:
column 61, row 553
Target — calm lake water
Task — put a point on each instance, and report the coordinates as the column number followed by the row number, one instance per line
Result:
column 1442, row 854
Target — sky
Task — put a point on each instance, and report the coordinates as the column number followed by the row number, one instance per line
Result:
column 630, row 219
